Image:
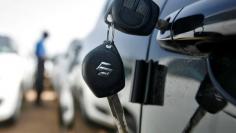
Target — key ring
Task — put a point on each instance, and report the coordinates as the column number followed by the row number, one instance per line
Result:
column 112, row 28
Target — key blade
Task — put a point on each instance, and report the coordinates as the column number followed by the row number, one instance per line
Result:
column 194, row 121
column 118, row 113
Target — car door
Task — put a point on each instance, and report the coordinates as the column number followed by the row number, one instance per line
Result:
column 182, row 82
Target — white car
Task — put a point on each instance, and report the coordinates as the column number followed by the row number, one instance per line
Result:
column 15, row 70
column 61, row 72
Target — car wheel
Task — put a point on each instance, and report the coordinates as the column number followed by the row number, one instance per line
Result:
column 82, row 106
column 82, row 110
column 65, row 108
column 62, row 124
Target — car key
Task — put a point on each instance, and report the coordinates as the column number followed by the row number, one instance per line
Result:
column 209, row 100
column 136, row 17
column 103, row 71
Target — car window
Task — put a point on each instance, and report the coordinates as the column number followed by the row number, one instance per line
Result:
column 6, row 46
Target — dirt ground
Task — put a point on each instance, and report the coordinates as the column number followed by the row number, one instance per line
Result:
column 44, row 119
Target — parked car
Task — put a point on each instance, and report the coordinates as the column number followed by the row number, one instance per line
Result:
column 15, row 70
column 61, row 73
column 184, row 76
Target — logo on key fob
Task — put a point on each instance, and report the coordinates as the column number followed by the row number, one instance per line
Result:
column 103, row 69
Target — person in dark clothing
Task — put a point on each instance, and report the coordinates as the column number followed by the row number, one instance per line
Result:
column 41, row 55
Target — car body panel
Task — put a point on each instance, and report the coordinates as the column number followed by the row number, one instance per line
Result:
column 183, row 79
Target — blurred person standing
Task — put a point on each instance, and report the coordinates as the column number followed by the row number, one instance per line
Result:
column 40, row 53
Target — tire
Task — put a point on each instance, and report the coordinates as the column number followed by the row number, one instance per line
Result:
column 82, row 111
column 81, row 107
column 62, row 124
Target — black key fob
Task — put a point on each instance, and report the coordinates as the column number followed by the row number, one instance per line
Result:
column 103, row 70
column 136, row 17
column 208, row 97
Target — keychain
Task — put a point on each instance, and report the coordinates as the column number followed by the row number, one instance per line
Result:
column 103, row 71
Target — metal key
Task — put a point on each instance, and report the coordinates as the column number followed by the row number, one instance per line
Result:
column 209, row 100
column 118, row 113
column 195, row 119
column 103, row 71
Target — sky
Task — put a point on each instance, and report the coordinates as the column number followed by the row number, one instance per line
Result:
column 65, row 20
